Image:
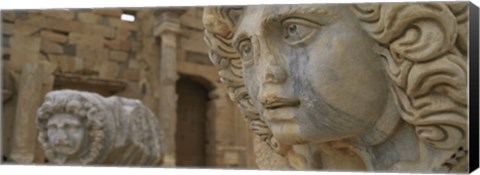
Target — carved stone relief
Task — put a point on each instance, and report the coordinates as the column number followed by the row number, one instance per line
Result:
column 85, row 128
column 370, row 87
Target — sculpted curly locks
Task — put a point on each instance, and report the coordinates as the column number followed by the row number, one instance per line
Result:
column 348, row 87
column 85, row 128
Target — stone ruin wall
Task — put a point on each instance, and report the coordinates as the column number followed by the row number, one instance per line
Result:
column 95, row 45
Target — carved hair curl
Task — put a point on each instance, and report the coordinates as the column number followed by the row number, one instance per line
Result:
column 88, row 110
column 426, row 60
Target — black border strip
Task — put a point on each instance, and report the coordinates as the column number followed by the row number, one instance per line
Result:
column 1, row 85
column 473, row 105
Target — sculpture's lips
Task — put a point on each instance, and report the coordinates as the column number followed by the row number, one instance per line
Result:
column 279, row 109
column 64, row 149
column 274, row 102
column 62, row 146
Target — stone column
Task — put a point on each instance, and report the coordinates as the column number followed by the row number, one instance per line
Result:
column 34, row 82
column 30, row 96
column 167, row 27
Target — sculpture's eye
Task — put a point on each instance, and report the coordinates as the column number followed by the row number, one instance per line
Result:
column 52, row 128
column 246, row 50
column 72, row 128
column 298, row 30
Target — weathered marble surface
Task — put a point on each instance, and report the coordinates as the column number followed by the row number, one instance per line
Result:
column 85, row 128
column 370, row 87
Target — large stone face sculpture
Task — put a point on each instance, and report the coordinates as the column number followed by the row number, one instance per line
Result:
column 85, row 128
column 370, row 87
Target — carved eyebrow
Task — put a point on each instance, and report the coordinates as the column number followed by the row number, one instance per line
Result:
column 314, row 10
column 74, row 122
column 296, row 11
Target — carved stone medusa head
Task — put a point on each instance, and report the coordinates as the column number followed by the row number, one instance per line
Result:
column 375, row 87
column 85, row 128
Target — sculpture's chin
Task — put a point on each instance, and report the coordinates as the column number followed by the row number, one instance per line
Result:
column 59, row 158
column 287, row 133
column 291, row 133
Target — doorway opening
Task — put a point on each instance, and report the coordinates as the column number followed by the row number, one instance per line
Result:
column 190, row 135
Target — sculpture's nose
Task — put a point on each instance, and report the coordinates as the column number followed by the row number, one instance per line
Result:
column 271, row 86
column 61, row 137
column 274, row 74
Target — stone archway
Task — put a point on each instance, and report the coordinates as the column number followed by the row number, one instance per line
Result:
column 190, row 135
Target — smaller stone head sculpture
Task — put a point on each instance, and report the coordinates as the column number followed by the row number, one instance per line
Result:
column 85, row 128
column 66, row 123
column 66, row 133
